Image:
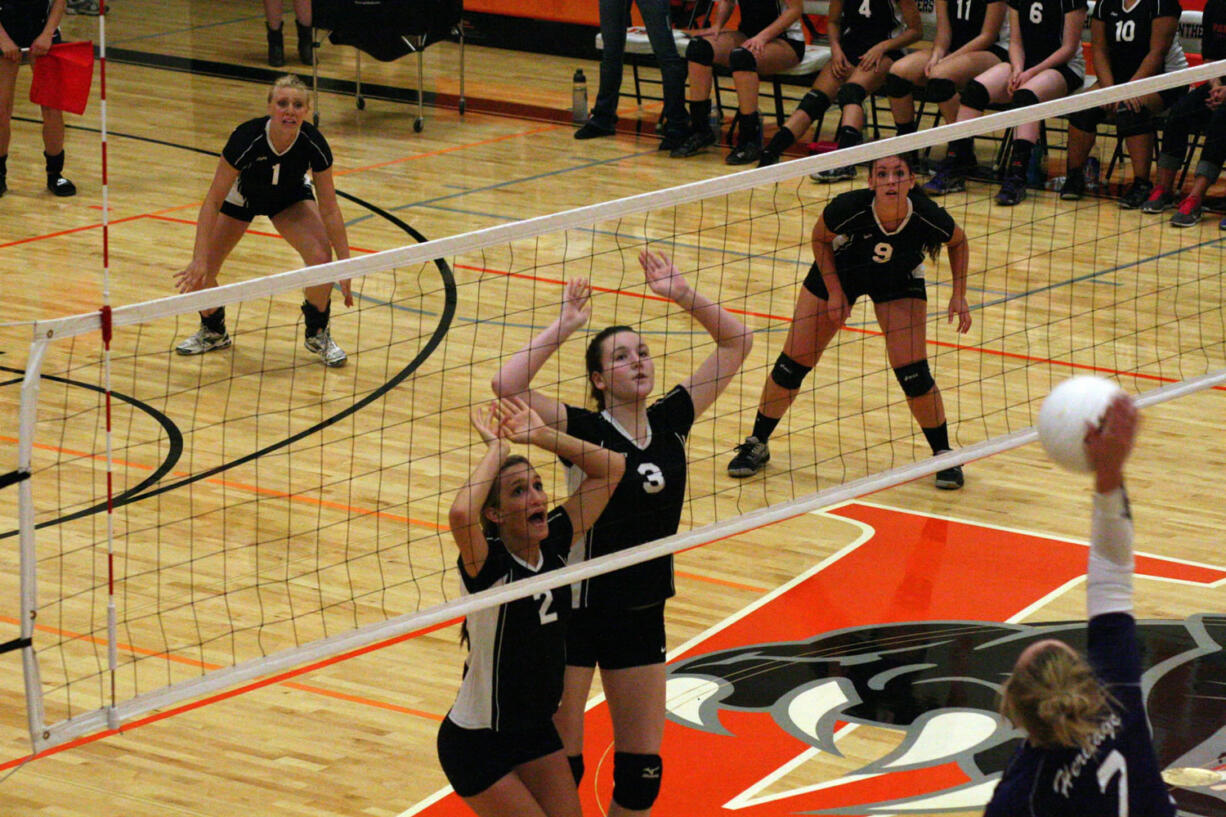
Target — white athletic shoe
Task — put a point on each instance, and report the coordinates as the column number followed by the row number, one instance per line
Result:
column 205, row 340
column 321, row 343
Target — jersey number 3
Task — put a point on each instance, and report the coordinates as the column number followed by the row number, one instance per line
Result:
column 1113, row 763
column 653, row 477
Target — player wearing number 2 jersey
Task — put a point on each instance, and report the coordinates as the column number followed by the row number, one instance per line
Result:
column 1088, row 750
column 870, row 242
column 618, row 623
column 498, row 745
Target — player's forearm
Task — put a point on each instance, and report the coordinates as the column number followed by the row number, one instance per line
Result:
column 55, row 15
column 1110, row 567
column 515, row 376
column 595, row 461
column 338, row 236
column 959, row 262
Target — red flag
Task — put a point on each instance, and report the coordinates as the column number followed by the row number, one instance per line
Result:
column 62, row 77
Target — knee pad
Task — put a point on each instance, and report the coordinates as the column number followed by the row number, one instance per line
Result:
column 636, row 780
column 915, row 378
column 788, row 373
column 742, row 59
column 1133, row 123
column 1087, row 120
column 700, row 51
column 1023, row 97
column 576, row 767
column 815, row 104
column 851, row 93
column 940, row 90
column 897, row 87
column 975, row 96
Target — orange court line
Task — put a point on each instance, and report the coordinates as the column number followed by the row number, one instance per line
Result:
column 225, row 483
column 452, row 149
column 720, row 582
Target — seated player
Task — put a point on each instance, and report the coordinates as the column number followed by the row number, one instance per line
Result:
column 968, row 41
column 1203, row 109
column 263, row 171
column 1088, row 749
column 768, row 41
column 1128, row 42
column 865, row 40
column 1045, row 62
column 870, row 242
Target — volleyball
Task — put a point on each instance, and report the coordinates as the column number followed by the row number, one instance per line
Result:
column 1071, row 406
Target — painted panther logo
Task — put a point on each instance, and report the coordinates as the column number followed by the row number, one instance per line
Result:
column 937, row 682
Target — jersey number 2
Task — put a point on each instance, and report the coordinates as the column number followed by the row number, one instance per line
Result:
column 548, row 615
column 1114, row 762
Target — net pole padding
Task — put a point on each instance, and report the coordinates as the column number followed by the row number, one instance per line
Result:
column 373, row 633
column 474, row 240
column 26, row 420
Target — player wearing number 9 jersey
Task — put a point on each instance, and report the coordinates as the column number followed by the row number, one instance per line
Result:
column 1088, row 750
column 618, row 623
column 498, row 745
column 870, row 242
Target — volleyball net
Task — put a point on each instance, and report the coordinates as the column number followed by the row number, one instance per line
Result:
column 264, row 510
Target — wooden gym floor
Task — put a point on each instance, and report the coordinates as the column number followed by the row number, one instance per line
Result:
column 356, row 736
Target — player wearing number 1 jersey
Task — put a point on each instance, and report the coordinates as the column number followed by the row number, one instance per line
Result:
column 1129, row 40
column 1088, row 750
column 870, row 242
column 618, row 623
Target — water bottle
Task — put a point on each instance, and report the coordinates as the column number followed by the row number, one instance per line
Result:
column 578, row 99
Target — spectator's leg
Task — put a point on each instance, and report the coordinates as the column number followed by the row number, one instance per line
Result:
column 672, row 66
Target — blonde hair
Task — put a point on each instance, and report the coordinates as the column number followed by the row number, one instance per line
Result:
column 1056, row 698
column 291, row 81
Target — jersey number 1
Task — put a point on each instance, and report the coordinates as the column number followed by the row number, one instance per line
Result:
column 963, row 11
column 1114, row 762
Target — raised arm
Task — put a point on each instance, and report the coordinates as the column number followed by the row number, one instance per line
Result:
column 515, row 376
column 959, row 259
column 733, row 339
column 465, row 514
column 1109, row 574
column 602, row 467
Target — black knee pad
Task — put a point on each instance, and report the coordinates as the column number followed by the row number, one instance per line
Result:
column 975, row 96
column 636, row 780
column 576, row 767
column 851, row 93
column 700, row 51
column 940, row 90
column 1133, row 123
column 788, row 373
column 742, row 59
column 897, row 87
column 815, row 104
column 915, row 378
column 1023, row 97
column 1086, row 120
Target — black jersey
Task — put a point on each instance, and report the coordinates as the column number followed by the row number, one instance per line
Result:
column 1041, row 24
column 30, row 9
column 1128, row 33
column 1213, row 37
column 23, row 20
column 267, row 177
column 966, row 22
column 862, row 246
column 1070, row 781
column 758, row 14
column 864, row 23
column 646, row 504
column 517, row 651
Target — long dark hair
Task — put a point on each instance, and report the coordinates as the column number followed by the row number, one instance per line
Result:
column 933, row 245
column 594, row 349
column 488, row 526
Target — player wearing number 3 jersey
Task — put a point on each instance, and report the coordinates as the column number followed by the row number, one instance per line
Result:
column 1087, row 750
column 870, row 242
column 618, row 623
column 498, row 745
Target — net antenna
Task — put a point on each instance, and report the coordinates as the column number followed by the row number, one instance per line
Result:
column 263, row 511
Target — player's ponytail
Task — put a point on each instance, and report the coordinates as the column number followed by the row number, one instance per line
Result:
column 1055, row 698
